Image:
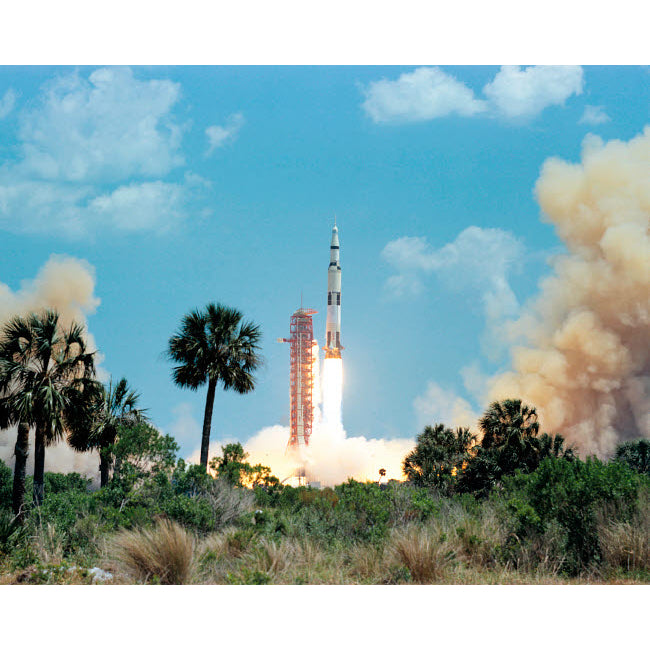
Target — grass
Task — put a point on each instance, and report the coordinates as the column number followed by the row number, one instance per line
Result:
column 425, row 551
column 434, row 552
column 162, row 554
column 626, row 544
column 456, row 542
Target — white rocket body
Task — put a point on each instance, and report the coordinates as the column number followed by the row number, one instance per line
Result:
column 333, row 345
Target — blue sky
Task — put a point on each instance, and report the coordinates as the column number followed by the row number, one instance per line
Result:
column 184, row 185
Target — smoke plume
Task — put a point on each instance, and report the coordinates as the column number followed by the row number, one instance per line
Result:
column 331, row 456
column 583, row 357
column 67, row 285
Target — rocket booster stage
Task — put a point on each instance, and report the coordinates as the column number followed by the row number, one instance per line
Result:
column 333, row 346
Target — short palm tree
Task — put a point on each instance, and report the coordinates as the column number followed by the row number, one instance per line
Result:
column 505, row 422
column 439, row 454
column 510, row 430
column 96, row 423
column 46, row 370
column 212, row 346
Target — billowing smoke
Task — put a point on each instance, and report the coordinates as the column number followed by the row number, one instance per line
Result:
column 67, row 285
column 331, row 457
column 583, row 358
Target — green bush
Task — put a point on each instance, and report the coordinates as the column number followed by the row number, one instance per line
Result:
column 192, row 512
column 569, row 493
column 6, row 486
column 635, row 454
column 57, row 483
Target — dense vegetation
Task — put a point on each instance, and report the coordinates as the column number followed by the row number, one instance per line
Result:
column 517, row 507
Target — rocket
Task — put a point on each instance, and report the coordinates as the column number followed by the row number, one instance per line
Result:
column 333, row 345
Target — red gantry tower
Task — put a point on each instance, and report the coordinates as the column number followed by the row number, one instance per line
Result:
column 302, row 376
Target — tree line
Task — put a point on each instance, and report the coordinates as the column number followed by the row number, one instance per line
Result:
column 48, row 385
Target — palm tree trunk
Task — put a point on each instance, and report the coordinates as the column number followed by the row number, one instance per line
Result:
column 207, row 422
column 21, row 451
column 39, row 467
column 104, row 466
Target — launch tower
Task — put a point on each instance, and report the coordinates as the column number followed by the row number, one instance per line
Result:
column 301, row 376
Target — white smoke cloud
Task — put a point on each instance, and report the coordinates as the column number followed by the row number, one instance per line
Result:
column 67, row 285
column 514, row 93
column 583, row 358
column 331, row 456
column 218, row 136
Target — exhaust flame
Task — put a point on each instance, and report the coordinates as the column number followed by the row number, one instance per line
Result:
column 331, row 456
column 332, row 382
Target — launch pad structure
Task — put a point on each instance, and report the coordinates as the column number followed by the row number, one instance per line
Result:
column 301, row 380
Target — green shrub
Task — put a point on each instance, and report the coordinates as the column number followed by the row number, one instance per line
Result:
column 569, row 493
column 6, row 486
column 57, row 483
column 192, row 512
column 635, row 454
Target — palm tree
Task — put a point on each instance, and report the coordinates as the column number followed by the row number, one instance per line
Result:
column 212, row 346
column 46, row 371
column 97, row 422
column 9, row 416
column 15, row 410
column 549, row 446
column 510, row 431
column 508, row 423
column 439, row 454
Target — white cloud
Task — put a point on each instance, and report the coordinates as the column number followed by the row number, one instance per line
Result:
column 475, row 381
column 7, row 103
column 77, row 211
column 185, row 428
column 94, row 151
column 108, row 127
column 142, row 206
column 438, row 405
column 34, row 206
column 423, row 94
column 594, row 115
column 525, row 92
column 428, row 93
column 478, row 263
column 218, row 136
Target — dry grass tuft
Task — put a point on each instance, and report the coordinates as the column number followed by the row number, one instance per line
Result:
column 228, row 502
column 476, row 538
column 425, row 551
column 275, row 559
column 627, row 544
column 164, row 553
column 48, row 543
